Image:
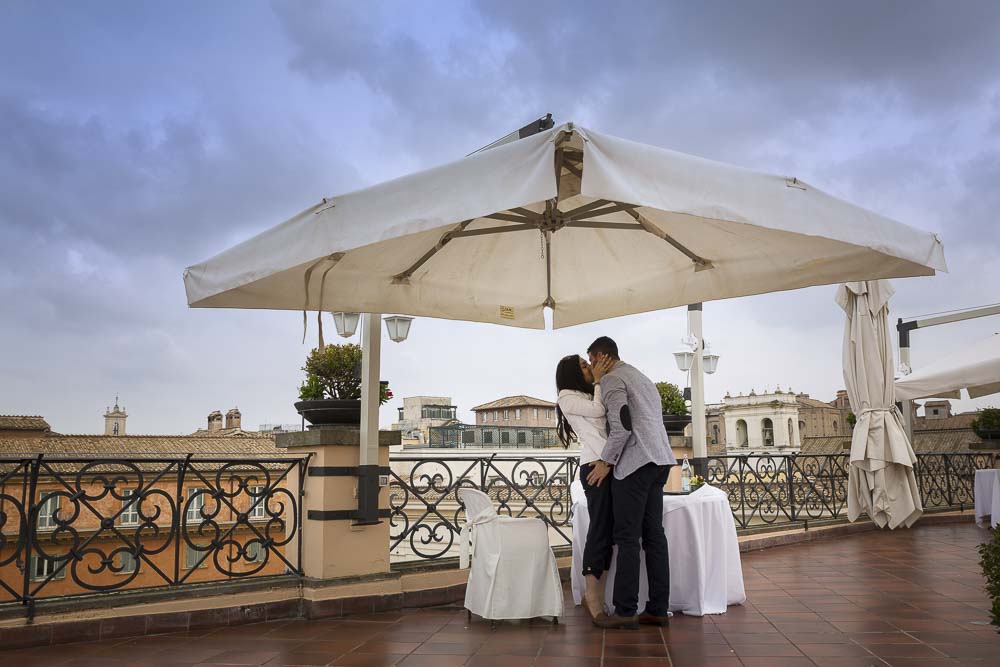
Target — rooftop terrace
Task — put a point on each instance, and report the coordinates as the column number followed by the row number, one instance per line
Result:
column 909, row 597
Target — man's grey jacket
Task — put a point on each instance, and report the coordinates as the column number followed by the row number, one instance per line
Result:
column 636, row 435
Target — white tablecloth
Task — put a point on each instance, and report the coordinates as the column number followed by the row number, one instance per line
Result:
column 705, row 570
column 987, row 496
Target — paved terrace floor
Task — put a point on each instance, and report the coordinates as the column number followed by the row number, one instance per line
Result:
column 903, row 598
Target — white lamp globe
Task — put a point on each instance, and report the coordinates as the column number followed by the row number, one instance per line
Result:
column 710, row 360
column 398, row 327
column 684, row 358
column 347, row 323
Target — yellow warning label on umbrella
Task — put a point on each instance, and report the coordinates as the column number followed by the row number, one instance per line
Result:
column 506, row 313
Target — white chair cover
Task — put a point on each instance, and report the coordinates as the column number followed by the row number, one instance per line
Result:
column 514, row 572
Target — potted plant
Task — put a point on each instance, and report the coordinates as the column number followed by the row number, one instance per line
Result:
column 675, row 413
column 989, row 553
column 331, row 392
column 987, row 424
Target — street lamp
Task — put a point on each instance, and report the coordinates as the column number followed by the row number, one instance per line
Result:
column 398, row 327
column 347, row 323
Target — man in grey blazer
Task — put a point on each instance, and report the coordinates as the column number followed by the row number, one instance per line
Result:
column 639, row 456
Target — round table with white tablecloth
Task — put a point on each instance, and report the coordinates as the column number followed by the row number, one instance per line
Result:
column 705, row 570
column 987, row 496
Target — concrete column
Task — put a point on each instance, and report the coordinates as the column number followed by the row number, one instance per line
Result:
column 333, row 545
column 699, row 444
column 371, row 348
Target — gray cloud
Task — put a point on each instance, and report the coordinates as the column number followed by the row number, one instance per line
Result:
column 144, row 139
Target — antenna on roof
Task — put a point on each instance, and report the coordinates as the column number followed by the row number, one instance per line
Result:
column 534, row 127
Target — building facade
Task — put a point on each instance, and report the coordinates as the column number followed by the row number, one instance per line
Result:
column 523, row 411
column 420, row 414
column 766, row 422
column 818, row 419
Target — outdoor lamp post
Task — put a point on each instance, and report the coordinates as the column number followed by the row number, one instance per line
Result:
column 347, row 323
column 695, row 357
column 370, row 477
column 398, row 327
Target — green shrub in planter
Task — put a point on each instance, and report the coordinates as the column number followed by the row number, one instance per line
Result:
column 989, row 553
column 671, row 398
column 988, row 421
column 333, row 372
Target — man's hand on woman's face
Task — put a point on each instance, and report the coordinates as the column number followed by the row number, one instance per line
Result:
column 603, row 364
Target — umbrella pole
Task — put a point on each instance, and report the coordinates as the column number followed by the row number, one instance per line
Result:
column 368, row 463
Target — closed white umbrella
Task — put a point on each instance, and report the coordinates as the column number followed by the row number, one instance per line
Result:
column 590, row 225
column 975, row 368
column 881, row 481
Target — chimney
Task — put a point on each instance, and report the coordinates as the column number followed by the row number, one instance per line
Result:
column 214, row 421
column 233, row 418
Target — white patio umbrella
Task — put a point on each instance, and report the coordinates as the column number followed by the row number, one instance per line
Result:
column 881, row 481
column 975, row 368
column 590, row 225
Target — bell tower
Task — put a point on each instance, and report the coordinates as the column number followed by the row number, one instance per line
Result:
column 114, row 420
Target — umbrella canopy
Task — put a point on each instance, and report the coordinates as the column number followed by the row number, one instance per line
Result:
column 881, row 481
column 587, row 224
column 976, row 368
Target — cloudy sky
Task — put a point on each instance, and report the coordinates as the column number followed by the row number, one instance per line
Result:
column 139, row 138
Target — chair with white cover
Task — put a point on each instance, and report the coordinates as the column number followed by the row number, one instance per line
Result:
column 514, row 573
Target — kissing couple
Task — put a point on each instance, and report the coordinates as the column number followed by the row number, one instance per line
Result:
column 614, row 411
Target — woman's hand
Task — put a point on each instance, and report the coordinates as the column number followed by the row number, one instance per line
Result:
column 597, row 475
column 601, row 368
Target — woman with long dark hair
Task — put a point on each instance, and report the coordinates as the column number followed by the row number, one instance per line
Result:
column 581, row 417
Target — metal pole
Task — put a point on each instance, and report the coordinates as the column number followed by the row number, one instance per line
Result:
column 371, row 348
column 698, row 429
column 904, row 360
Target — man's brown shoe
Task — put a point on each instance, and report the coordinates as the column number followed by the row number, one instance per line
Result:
column 649, row 619
column 616, row 622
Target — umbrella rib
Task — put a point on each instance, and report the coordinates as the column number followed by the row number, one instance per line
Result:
column 571, row 168
column 700, row 263
column 404, row 277
column 495, row 230
column 507, row 217
column 526, row 213
column 616, row 208
column 597, row 224
column 579, row 211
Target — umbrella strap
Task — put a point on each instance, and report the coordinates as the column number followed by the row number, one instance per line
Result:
column 335, row 257
column 319, row 309
column 870, row 410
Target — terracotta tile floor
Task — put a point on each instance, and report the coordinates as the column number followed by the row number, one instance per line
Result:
column 904, row 598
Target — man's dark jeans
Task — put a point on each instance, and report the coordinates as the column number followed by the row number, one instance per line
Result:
column 597, row 553
column 637, row 504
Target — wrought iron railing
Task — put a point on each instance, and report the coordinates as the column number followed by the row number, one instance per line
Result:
column 71, row 526
column 764, row 491
column 768, row 490
column 426, row 513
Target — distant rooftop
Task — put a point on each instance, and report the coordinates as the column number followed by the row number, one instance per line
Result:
column 23, row 423
column 519, row 401
column 131, row 445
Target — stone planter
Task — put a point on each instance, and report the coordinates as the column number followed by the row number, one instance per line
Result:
column 675, row 424
column 330, row 411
